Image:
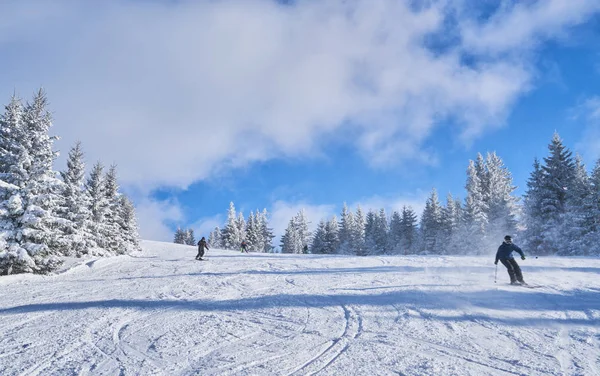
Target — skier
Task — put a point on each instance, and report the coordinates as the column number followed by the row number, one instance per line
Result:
column 244, row 246
column 201, row 245
column 504, row 254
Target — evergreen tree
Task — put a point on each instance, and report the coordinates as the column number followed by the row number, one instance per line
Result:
column 476, row 209
column 190, row 239
column 241, row 228
column 594, row 234
column 451, row 222
column 501, row 204
column 409, row 232
column 332, row 240
column 319, row 243
column 232, row 235
column 579, row 220
column 214, row 238
column 129, row 225
column 357, row 234
column 266, row 233
column 76, row 204
column 395, row 236
column 297, row 236
column 98, row 205
column 532, row 211
column 431, row 225
column 370, row 232
column 111, row 230
column 382, row 230
column 39, row 230
column 180, row 236
column 346, row 228
column 253, row 233
column 559, row 171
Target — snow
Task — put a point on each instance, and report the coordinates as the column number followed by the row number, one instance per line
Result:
column 159, row 312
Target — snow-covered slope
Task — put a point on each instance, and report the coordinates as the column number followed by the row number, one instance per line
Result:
column 162, row 313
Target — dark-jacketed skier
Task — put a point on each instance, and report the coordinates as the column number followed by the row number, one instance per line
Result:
column 505, row 256
column 201, row 245
column 244, row 246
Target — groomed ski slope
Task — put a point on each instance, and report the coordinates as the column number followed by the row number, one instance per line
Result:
column 160, row 312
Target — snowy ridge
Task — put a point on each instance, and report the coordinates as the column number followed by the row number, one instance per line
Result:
column 160, row 312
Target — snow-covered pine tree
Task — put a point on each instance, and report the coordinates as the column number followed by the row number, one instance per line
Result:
column 129, row 225
column 501, row 203
column 14, row 166
column 266, row 233
column 559, row 171
column 370, row 232
column 190, row 239
column 451, row 221
column 357, row 235
column 214, row 238
column 231, row 237
column 39, row 230
column 332, row 240
column 579, row 220
column 241, row 228
column 346, row 227
column 76, row 204
column 179, row 237
column 319, row 243
column 431, row 225
column 395, row 235
column 410, row 233
column 297, row 236
column 532, row 211
column 98, row 205
column 111, row 229
column 382, row 230
column 304, row 234
column 594, row 235
column 252, row 232
column 476, row 209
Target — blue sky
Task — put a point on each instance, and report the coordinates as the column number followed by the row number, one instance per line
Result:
column 307, row 104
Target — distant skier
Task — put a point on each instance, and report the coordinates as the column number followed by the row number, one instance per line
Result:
column 201, row 245
column 504, row 254
column 244, row 246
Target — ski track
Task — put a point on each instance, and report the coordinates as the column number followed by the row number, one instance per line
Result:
column 159, row 312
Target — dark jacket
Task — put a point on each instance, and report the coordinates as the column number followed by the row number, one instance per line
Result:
column 505, row 251
column 202, row 244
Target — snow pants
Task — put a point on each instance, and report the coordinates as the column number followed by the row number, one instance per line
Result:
column 200, row 252
column 514, row 271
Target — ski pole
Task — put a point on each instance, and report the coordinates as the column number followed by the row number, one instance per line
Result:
column 496, row 274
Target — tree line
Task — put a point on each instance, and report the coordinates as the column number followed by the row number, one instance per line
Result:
column 559, row 214
column 44, row 214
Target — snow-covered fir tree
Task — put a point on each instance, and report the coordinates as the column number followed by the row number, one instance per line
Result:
column 594, row 234
column 214, row 238
column 38, row 229
column 559, row 172
column 111, row 231
column 451, row 222
column 76, row 204
column 232, row 234
column 579, row 219
column 410, row 232
column 266, row 232
column 190, row 238
column 532, row 211
column 332, row 240
column 98, row 206
column 241, row 228
column 431, row 225
column 376, row 232
column 129, row 225
column 501, row 203
column 319, row 242
column 346, row 228
column 357, row 234
column 476, row 209
column 180, row 236
column 253, row 236
column 395, row 234
column 370, row 225
column 296, row 238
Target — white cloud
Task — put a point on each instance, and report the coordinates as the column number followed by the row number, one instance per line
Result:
column 153, row 218
column 282, row 211
column 589, row 113
column 171, row 91
column 519, row 26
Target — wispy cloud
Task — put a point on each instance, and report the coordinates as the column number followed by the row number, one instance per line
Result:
column 588, row 113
